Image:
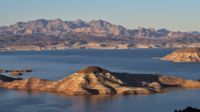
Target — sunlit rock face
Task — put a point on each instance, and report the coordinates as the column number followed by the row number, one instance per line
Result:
column 184, row 55
column 98, row 81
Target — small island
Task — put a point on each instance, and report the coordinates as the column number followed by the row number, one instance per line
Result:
column 94, row 80
column 184, row 55
column 15, row 72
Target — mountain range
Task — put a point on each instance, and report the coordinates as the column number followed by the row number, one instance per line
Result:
column 55, row 34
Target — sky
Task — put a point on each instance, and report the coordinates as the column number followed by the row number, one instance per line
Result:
column 176, row 15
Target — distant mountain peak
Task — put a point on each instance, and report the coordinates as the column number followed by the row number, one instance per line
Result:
column 95, row 30
column 99, row 27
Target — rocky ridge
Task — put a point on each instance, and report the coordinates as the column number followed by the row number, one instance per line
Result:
column 95, row 80
column 57, row 34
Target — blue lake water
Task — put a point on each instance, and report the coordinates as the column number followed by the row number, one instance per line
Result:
column 55, row 65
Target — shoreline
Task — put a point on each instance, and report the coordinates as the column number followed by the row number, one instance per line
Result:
column 83, row 49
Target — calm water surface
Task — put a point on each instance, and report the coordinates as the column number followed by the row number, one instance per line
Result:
column 55, row 65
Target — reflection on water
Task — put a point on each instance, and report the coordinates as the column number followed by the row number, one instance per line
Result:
column 19, row 101
column 55, row 65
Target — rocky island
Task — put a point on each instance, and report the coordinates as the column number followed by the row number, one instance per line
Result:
column 95, row 80
column 184, row 55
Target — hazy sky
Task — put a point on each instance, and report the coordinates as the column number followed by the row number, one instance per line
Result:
column 171, row 14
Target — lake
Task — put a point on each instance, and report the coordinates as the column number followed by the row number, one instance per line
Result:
column 54, row 65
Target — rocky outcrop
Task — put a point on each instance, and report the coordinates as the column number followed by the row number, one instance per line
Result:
column 184, row 55
column 188, row 109
column 95, row 80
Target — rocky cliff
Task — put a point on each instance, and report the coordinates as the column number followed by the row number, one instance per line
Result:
column 184, row 55
column 95, row 80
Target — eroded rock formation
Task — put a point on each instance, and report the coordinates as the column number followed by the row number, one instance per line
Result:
column 95, row 80
column 184, row 55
